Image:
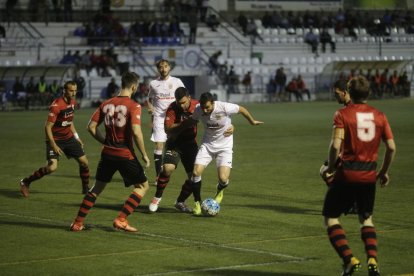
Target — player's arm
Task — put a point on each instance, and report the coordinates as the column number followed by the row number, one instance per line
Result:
column 246, row 114
column 149, row 102
column 334, row 148
column 75, row 133
column 49, row 134
column 389, row 154
column 229, row 131
column 176, row 128
column 95, row 132
column 139, row 142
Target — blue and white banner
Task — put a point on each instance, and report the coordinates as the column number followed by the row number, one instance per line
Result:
column 191, row 57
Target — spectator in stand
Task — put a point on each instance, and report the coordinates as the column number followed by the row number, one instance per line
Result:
column 242, row 21
column 67, row 11
column 31, row 93
column 325, row 38
column 212, row 22
column 44, row 95
column 313, row 40
column 247, row 82
column 280, row 83
column 112, row 89
column 85, row 62
column 80, row 82
column 251, row 30
column 233, row 81
column 302, row 87
column 19, row 93
column 384, row 87
column 404, row 84
column 376, row 84
column 292, row 88
column 54, row 90
column 267, row 20
column 192, row 22
column 214, row 62
column 393, row 83
column 68, row 58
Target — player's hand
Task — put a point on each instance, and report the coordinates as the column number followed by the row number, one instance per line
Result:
column 80, row 142
column 384, row 179
column 57, row 149
column 326, row 175
column 146, row 161
column 229, row 131
column 255, row 123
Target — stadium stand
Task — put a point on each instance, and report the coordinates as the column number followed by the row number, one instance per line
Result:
column 29, row 44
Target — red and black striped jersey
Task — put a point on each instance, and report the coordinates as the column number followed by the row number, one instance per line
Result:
column 61, row 114
column 364, row 128
column 118, row 115
column 176, row 115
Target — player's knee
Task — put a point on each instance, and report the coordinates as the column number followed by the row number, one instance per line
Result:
column 195, row 178
column 52, row 167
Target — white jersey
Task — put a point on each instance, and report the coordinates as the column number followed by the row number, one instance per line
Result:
column 162, row 93
column 216, row 124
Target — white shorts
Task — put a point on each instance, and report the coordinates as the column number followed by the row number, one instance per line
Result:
column 224, row 158
column 158, row 132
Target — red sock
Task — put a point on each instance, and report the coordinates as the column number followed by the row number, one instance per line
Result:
column 130, row 204
column 339, row 242
column 87, row 204
column 369, row 237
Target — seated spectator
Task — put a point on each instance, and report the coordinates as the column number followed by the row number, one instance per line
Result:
column 313, row 40
column 214, row 63
column 292, row 88
column 302, row 87
column 112, row 89
column 247, row 82
column 68, row 58
column 85, row 61
column 325, row 38
column 212, row 22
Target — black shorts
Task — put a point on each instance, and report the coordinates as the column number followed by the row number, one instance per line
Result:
column 186, row 152
column 71, row 148
column 340, row 197
column 131, row 170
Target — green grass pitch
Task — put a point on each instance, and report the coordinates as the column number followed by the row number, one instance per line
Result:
column 269, row 223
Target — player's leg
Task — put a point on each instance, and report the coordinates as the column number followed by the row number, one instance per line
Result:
column 51, row 166
column 133, row 175
column 188, row 157
column 104, row 172
column 224, row 162
column 87, row 203
column 162, row 182
column 196, row 187
column 84, row 173
column 365, row 198
column 336, row 202
column 159, row 146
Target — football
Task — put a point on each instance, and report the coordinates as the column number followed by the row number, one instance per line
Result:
column 210, row 207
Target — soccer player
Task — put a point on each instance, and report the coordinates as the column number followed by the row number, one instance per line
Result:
column 122, row 119
column 161, row 94
column 341, row 95
column 61, row 138
column 216, row 119
column 181, row 144
column 357, row 132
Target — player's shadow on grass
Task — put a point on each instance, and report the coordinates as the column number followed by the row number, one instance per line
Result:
column 11, row 193
column 284, row 209
column 141, row 208
column 31, row 224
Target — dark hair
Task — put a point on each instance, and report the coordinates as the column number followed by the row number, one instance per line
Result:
column 129, row 79
column 161, row 61
column 358, row 88
column 206, row 97
column 180, row 93
column 340, row 84
column 71, row 82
